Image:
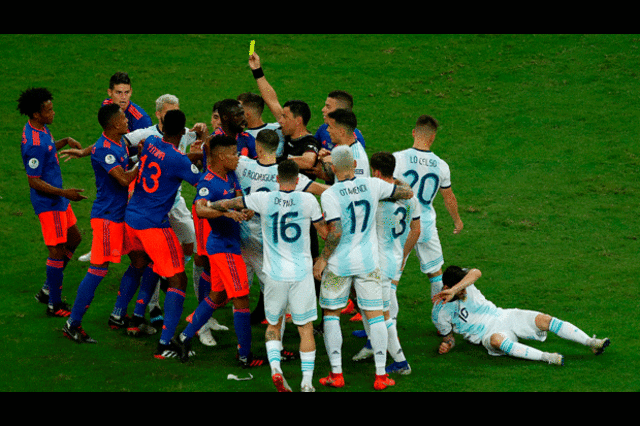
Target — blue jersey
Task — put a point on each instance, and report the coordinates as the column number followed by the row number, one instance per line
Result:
column 111, row 199
column 40, row 159
column 162, row 169
column 138, row 118
column 325, row 139
column 225, row 232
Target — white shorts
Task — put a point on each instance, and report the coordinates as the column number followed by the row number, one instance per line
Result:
column 335, row 291
column 298, row 296
column 514, row 324
column 182, row 223
column 430, row 254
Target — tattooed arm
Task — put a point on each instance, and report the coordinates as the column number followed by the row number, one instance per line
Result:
column 330, row 244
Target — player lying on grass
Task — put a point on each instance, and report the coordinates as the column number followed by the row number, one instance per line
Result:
column 461, row 308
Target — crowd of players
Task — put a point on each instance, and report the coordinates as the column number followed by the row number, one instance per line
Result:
column 254, row 213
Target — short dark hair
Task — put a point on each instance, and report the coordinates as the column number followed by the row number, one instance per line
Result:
column 428, row 123
column 288, row 171
column 453, row 275
column 269, row 140
column 225, row 106
column 251, row 100
column 31, row 100
column 119, row 78
column 299, row 109
column 216, row 106
column 345, row 118
column 174, row 122
column 342, row 96
column 106, row 113
column 384, row 162
column 221, row 141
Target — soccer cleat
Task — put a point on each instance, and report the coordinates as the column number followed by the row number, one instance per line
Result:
column 85, row 257
column 281, row 383
column 166, row 351
column 599, row 345
column 205, row 336
column 42, row 296
column 61, row 310
column 183, row 348
column 77, row 334
column 382, row 382
column 359, row 333
column 138, row 326
column 116, row 323
column 286, row 356
column 554, row 359
column 402, row 368
column 250, row 361
column 351, row 307
column 365, row 353
column 307, row 388
column 356, row 318
column 156, row 318
column 333, row 380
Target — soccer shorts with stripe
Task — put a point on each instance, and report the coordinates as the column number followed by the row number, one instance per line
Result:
column 160, row 244
column 55, row 225
column 108, row 241
column 229, row 273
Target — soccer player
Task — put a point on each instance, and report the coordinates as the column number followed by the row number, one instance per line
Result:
column 397, row 228
column 260, row 175
column 148, row 233
column 120, row 92
column 232, row 123
column 179, row 215
column 49, row 199
column 350, row 257
column 336, row 99
column 461, row 308
column 285, row 215
column 110, row 162
column 341, row 124
column 228, row 272
column 427, row 174
column 253, row 106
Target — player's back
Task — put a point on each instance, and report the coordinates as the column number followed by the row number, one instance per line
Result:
column 355, row 203
column 393, row 221
column 285, row 220
column 426, row 173
column 162, row 170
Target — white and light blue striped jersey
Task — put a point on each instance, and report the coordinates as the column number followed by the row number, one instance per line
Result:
column 471, row 318
column 285, row 220
column 355, row 203
column 362, row 160
column 426, row 173
column 393, row 221
column 256, row 177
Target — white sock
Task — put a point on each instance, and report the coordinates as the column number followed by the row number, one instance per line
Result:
column 394, row 308
column 519, row 350
column 333, row 342
column 568, row 331
column 307, row 364
column 379, row 338
column 274, row 347
column 394, row 348
column 436, row 284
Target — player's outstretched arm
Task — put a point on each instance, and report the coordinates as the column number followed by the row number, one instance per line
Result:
column 266, row 91
column 451, row 203
column 72, row 194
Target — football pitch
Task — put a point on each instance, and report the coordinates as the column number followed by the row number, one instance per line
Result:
column 540, row 133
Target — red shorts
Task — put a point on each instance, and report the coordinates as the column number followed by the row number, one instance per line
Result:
column 229, row 273
column 108, row 241
column 203, row 229
column 160, row 244
column 55, row 224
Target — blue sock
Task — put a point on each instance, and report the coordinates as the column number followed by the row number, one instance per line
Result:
column 204, row 286
column 86, row 291
column 201, row 315
column 128, row 286
column 242, row 326
column 55, row 274
column 147, row 288
column 173, row 304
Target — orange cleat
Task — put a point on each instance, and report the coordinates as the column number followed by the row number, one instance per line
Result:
column 382, row 382
column 333, row 380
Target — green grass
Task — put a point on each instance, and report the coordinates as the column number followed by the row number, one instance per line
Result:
column 540, row 133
